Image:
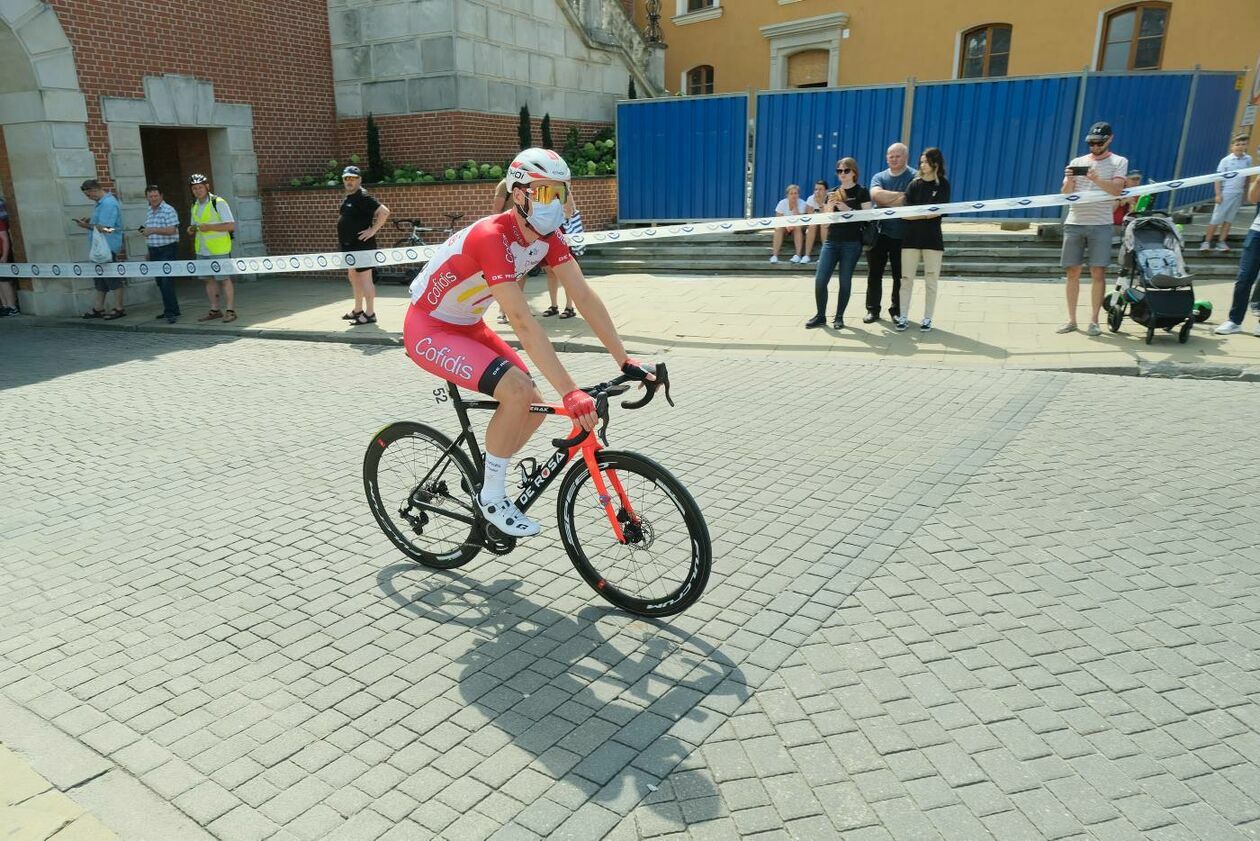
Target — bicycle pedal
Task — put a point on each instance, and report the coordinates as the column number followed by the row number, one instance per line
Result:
column 527, row 466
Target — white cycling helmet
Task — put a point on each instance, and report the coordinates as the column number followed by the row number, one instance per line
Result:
column 537, row 165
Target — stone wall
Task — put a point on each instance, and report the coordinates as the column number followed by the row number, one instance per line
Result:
column 432, row 141
column 302, row 221
column 493, row 56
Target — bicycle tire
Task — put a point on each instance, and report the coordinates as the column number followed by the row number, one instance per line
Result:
column 616, row 570
column 456, row 490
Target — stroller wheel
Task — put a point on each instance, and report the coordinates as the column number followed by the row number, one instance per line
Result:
column 1115, row 316
column 1107, row 300
column 1150, row 334
column 1184, row 333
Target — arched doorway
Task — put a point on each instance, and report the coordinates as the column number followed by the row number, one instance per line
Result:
column 45, row 151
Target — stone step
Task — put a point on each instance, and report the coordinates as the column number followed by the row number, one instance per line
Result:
column 685, row 264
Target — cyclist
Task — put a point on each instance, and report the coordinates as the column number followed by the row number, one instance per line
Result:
column 445, row 335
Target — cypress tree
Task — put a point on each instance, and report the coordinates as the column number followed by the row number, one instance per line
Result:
column 546, row 132
column 376, row 166
column 524, row 131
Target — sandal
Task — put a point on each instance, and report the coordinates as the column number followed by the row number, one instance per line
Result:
column 94, row 313
column 114, row 313
column 352, row 315
column 568, row 313
column 229, row 315
column 211, row 315
column 550, row 311
column 364, row 318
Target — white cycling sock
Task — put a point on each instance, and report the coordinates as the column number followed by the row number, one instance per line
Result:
column 494, row 481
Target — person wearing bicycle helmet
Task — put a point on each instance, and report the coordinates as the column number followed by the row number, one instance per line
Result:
column 445, row 334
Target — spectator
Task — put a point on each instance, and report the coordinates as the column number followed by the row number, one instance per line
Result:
column 1087, row 229
column 361, row 217
column 923, row 237
column 212, row 227
column 106, row 218
column 814, row 204
column 1229, row 194
column 888, row 189
column 1128, row 205
column 8, row 295
column 1248, row 269
column 572, row 225
column 161, row 234
column 843, row 246
column 789, row 206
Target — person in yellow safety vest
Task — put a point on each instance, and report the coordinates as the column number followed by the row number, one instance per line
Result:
column 212, row 227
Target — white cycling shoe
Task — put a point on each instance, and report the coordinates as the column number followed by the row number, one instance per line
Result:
column 507, row 518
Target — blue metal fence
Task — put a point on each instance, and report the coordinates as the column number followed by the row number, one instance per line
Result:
column 1207, row 139
column 1146, row 111
column 1000, row 138
column 682, row 159
column 801, row 134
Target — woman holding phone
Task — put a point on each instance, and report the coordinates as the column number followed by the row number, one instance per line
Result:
column 923, row 236
column 843, row 246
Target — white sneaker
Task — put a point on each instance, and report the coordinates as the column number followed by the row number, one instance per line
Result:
column 507, row 518
column 901, row 323
column 1070, row 327
column 1222, row 246
column 1227, row 328
column 1093, row 329
column 774, row 258
column 795, row 258
column 925, row 325
column 1256, row 330
column 1206, row 245
column 805, row 259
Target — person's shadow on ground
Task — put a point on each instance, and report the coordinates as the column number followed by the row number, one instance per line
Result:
column 593, row 711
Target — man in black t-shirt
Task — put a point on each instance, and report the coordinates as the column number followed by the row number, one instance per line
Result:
column 361, row 217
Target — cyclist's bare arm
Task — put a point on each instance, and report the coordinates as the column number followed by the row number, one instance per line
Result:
column 535, row 342
column 592, row 308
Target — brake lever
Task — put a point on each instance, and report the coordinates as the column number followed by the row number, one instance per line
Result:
column 601, row 411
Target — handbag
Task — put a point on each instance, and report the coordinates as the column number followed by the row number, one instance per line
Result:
column 870, row 231
column 99, row 250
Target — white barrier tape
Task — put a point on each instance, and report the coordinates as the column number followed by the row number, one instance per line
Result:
column 415, row 254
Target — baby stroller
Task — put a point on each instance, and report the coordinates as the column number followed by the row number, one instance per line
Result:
column 1154, row 287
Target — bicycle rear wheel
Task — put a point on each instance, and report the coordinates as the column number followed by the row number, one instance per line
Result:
column 664, row 563
column 420, row 491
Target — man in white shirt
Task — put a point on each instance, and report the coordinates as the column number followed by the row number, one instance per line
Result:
column 1087, row 229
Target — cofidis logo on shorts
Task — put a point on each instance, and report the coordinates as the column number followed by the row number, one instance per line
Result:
column 442, row 358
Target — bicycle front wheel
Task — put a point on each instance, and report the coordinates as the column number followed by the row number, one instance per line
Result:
column 662, row 565
column 420, row 489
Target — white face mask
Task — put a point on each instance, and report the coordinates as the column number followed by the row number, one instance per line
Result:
column 546, row 218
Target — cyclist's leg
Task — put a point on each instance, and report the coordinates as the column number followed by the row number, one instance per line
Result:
column 475, row 358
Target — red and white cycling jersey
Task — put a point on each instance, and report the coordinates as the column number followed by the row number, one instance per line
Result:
column 454, row 286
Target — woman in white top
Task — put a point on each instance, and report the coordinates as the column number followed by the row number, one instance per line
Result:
column 815, row 204
column 790, row 206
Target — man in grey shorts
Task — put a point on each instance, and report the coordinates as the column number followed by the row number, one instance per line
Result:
column 1087, row 229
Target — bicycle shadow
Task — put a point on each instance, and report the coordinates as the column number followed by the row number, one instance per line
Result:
column 588, row 712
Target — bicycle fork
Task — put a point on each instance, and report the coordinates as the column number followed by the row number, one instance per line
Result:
column 605, row 498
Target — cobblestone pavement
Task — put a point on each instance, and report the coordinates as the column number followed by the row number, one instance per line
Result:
column 946, row 604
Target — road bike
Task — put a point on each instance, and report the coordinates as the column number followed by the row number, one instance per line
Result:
column 630, row 528
column 417, row 234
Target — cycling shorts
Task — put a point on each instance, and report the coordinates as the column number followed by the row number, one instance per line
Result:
column 472, row 356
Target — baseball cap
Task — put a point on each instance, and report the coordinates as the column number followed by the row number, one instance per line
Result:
column 351, row 172
column 1098, row 131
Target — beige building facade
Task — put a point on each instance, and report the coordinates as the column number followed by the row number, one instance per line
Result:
column 726, row 46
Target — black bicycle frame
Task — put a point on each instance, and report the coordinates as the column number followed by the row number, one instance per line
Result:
column 534, row 483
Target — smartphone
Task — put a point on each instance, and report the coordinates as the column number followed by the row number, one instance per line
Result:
column 1079, row 170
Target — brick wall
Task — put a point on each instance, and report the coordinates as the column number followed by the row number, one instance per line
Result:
column 302, row 221
column 274, row 56
column 441, row 138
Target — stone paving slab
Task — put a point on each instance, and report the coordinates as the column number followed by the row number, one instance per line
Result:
column 946, row 603
column 977, row 325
